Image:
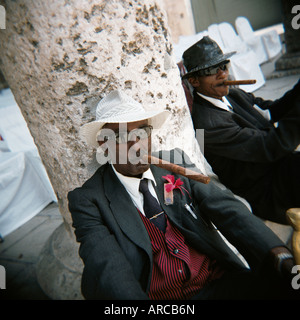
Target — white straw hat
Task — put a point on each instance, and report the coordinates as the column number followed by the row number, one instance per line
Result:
column 117, row 107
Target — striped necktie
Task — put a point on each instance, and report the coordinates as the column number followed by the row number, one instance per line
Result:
column 152, row 208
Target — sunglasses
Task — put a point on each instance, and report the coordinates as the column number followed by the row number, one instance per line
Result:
column 214, row 70
column 124, row 137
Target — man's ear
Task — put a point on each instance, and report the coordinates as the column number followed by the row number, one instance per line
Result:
column 194, row 82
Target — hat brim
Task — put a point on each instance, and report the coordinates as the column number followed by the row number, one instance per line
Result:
column 212, row 63
column 89, row 131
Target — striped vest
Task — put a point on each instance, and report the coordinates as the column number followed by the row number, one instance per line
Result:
column 179, row 271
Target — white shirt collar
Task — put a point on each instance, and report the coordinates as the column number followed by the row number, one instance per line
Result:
column 224, row 104
column 132, row 185
column 132, row 182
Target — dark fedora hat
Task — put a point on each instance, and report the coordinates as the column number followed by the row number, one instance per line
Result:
column 202, row 55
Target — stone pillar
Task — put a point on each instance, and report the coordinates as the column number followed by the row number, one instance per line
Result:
column 59, row 59
column 291, row 21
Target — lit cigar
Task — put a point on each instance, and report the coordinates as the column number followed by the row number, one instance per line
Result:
column 177, row 169
column 238, row 82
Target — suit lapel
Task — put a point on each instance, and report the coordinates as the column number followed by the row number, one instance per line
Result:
column 175, row 212
column 251, row 116
column 242, row 112
column 125, row 212
column 249, row 113
column 172, row 211
column 127, row 216
column 195, row 232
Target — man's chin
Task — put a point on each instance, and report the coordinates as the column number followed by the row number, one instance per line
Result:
column 223, row 90
column 136, row 170
column 142, row 167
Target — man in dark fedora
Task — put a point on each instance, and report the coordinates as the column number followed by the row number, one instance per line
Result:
column 252, row 156
column 141, row 240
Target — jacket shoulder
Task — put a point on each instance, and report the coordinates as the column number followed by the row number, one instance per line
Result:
column 240, row 96
column 92, row 185
column 207, row 116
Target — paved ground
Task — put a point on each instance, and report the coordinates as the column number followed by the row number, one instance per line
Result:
column 275, row 87
column 20, row 250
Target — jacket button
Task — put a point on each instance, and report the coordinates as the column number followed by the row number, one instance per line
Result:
column 175, row 251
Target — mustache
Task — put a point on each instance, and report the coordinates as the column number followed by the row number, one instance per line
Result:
column 221, row 84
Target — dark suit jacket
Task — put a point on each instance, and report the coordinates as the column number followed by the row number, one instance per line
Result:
column 243, row 148
column 116, row 248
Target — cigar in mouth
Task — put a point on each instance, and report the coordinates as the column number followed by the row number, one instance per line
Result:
column 238, row 82
column 191, row 174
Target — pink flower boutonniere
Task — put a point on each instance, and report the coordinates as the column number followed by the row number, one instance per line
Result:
column 170, row 186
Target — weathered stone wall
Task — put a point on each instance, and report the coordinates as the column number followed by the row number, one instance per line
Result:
column 61, row 57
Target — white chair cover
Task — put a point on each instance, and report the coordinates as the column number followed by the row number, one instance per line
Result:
column 231, row 40
column 244, row 64
column 25, row 188
column 272, row 43
column 254, row 42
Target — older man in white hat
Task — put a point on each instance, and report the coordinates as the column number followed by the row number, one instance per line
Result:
column 116, row 115
column 137, row 245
